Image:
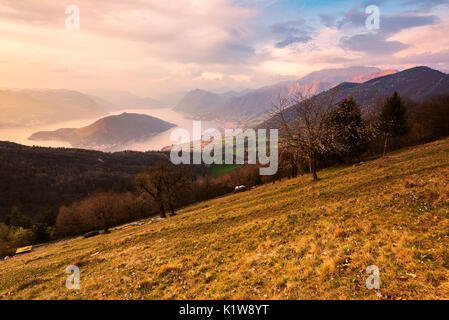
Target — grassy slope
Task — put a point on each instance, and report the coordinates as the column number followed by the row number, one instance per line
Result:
column 295, row 239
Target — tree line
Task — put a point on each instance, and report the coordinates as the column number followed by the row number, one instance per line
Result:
column 323, row 132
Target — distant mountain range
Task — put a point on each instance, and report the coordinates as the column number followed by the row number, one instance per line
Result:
column 36, row 107
column 201, row 102
column 108, row 132
column 124, row 99
column 245, row 108
column 250, row 106
column 417, row 84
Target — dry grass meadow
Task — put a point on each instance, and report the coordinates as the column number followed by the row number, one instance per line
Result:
column 295, row 239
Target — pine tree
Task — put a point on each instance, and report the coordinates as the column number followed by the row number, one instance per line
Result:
column 392, row 121
column 346, row 123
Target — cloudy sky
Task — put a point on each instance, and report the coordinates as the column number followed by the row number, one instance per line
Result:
column 155, row 47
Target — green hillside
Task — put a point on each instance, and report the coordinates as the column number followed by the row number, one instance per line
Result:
column 295, row 239
column 222, row 169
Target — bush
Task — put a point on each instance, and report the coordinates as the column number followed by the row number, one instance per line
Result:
column 430, row 120
column 17, row 218
column 12, row 237
column 40, row 233
column 5, row 250
column 100, row 211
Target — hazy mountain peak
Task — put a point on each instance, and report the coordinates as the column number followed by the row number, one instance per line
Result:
column 365, row 78
column 337, row 75
column 124, row 99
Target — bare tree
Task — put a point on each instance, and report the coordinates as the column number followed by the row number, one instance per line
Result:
column 164, row 184
column 153, row 184
column 302, row 121
column 289, row 160
column 104, row 206
column 178, row 181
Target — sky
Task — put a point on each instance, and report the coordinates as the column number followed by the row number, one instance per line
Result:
column 158, row 47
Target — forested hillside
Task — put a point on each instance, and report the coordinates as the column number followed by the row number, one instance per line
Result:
column 34, row 178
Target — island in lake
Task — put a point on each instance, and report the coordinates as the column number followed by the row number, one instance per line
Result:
column 108, row 132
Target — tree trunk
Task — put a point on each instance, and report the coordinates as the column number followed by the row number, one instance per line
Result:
column 258, row 179
column 105, row 223
column 314, row 169
column 294, row 170
column 162, row 211
column 385, row 146
column 172, row 209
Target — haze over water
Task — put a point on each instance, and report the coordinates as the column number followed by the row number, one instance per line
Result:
column 21, row 134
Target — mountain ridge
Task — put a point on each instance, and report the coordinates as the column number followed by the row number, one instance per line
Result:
column 418, row 84
column 248, row 106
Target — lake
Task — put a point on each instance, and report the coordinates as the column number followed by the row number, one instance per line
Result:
column 21, row 134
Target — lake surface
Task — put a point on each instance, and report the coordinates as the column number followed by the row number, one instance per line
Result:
column 21, row 134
